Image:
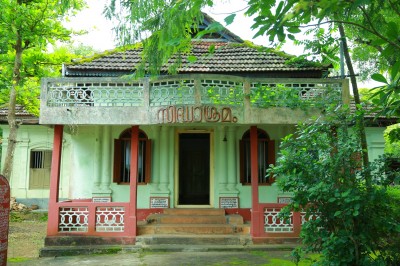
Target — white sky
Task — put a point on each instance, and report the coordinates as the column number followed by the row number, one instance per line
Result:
column 100, row 35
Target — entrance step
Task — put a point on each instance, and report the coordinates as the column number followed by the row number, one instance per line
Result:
column 185, row 219
column 194, row 222
column 193, row 212
column 206, row 239
column 186, row 229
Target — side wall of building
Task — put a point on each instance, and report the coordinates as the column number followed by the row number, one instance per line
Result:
column 33, row 138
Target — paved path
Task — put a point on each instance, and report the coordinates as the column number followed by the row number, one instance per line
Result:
column 167, row 259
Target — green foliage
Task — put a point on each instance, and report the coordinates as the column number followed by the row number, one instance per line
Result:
column 387, row 96
column 37, row 64
column 394, row 194
column 38, row 24
column 234, row 97
column 280, row 95
column 366, row 95
column 392, row 140
column 15, row 217
column 348, row 223
column 28, row 215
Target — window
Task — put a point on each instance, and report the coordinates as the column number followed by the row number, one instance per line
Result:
column 122, row 158
column 266, row 156
column 39, row 169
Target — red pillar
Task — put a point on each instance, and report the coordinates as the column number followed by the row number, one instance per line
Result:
column 52, row 223
column 131, row 223
column 255, row 212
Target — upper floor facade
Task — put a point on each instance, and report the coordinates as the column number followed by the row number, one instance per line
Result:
column 186, row 99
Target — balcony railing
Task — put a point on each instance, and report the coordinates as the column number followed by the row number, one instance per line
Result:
column 85, row 100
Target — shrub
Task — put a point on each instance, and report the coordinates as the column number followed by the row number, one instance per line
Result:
column 349, row 223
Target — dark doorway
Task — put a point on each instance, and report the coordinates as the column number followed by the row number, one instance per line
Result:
column 194, row 169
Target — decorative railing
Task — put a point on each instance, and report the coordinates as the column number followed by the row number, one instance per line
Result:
column 273, row 223
column 274, row 226
column 185, row 90
column 91, row 218
column 61, row 94
column 173, row 92
column 294, row 94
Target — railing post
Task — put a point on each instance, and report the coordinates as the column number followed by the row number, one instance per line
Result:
column 131, row 222
column 91, row 219
column 146, row 93
column 255, row 212
column 246, row 100
column 53, row 212
column 296, row 223
column 197, row 91
column 345, row 91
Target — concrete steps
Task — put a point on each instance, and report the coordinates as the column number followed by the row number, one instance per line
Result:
column 194, row 227
column 193, row 221
column 194, row 212
column 185, row 219
column 173, row 230
column 189, row 239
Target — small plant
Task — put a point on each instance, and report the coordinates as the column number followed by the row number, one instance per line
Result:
column 15, row 217
column 44, row 217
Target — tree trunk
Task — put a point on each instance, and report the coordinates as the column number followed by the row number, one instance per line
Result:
column 12, row 138
column 359, row 119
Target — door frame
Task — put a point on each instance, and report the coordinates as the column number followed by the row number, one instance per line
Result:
column 176, row 194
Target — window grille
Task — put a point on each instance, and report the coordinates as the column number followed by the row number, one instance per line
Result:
column 40, row 166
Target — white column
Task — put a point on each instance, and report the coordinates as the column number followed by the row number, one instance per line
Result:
column 97, row 157
column 222, row 154
column 106, row 174
column 164, row 160
column 155, row 179
column 231, row 159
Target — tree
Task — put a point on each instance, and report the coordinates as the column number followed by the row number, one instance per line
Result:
column 169, row 25
column 346, row 222
column 26, row 29
column 38, row 64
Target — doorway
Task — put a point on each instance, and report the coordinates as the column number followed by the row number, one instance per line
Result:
column 194, row 169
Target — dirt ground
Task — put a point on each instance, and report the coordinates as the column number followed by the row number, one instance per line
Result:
column 26, row 234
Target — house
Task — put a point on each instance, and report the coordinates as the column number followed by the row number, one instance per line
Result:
column 128, row 154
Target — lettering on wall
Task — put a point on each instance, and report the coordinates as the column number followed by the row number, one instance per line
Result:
column 101, row 199
column 195, row 114
column 229, row 202
column 285, row 200
column 159, row 202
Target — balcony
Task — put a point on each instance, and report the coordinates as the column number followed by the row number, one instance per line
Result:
column 188, row 98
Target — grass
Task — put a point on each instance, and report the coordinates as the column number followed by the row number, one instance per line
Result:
column 18, row 259
column 288, row 261
column 28, row 216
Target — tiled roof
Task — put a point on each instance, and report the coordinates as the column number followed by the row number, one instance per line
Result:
column 227, row 58
column 21, row 114
column 372, row 114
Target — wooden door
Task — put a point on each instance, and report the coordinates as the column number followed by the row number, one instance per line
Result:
column 194, row 169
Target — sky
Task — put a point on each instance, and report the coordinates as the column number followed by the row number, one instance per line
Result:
column 101, row 38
